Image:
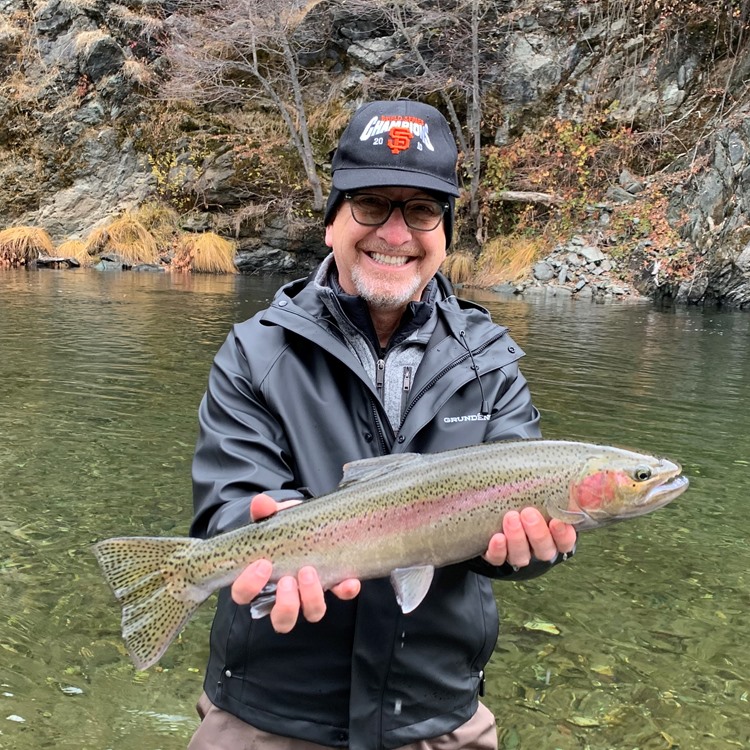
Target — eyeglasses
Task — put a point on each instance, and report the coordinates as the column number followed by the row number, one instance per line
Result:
column 373, row 210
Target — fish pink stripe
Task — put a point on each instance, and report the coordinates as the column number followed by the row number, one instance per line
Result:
column 395, row 521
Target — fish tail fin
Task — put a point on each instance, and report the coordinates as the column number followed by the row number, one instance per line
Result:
column 148, row 577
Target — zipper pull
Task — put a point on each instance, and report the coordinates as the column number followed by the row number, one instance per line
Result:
column 380, row 377
column 405, row 388
column 407, row 379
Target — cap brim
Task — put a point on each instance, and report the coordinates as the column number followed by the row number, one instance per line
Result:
column 355, row 179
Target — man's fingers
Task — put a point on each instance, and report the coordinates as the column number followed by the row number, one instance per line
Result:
column 538, row 533
column 286, row 610
column 347, row 589
column 262, row 506
column 311, row 594
column 564, row 535
column 497, row 550
column 251, row 581
column 519, row 553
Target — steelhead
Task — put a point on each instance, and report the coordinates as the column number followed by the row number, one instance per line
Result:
column 399, row 515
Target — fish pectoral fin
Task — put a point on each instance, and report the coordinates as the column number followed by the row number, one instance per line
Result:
column 573, row 517
column 262, row 605
column 411, row 585
column 371, row 468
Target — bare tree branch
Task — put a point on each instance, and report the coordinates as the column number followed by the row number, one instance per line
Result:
column 237, row 51
column 524, row 196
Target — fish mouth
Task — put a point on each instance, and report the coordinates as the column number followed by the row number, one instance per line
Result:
column 666, row 492
column 660, row 494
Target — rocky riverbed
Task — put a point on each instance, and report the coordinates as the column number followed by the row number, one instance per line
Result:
column 577, row 270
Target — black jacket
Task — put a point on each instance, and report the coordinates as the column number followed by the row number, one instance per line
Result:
column 287, row 405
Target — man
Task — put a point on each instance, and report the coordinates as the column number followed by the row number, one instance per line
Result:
column 372, row 355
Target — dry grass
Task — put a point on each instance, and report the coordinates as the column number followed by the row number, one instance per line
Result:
column 9, row 33
column 328, row 120
column 204, row 253
column 146, row 25
column 21, row 245
column 75, row 249
column 459, row 267
column 85, row 41
column 128, row 238
column 161, row 221
column 138, row 72
column 508, row 258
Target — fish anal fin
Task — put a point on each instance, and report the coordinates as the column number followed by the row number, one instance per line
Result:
column 411, row 585
column 371, row 468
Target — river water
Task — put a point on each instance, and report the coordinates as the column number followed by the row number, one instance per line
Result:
column 639, row 642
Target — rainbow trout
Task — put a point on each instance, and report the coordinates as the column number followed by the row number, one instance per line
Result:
column 400, row 515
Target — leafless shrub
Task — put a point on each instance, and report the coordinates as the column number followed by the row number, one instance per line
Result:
column 238, row 51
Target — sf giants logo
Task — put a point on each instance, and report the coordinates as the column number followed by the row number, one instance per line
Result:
column 401, row 129
column 400, row 139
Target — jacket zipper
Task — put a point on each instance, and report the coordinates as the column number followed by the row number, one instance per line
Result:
column 380, row 378
column 406, row 387
column 442, row 373
column 384, row 447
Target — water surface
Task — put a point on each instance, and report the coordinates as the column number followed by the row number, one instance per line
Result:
column 100, row 378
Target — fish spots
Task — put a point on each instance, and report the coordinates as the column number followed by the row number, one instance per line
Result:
column 439, row 510
column 142, row 574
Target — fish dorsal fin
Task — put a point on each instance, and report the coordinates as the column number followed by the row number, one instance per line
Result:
column 371, row 468
column 411, row 585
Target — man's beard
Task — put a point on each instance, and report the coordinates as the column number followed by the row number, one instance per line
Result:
column 376, row 294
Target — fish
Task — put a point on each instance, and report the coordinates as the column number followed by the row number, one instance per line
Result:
column 399, row 515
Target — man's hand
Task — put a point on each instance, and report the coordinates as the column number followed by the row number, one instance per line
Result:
column 525, row 534
column 292, row 594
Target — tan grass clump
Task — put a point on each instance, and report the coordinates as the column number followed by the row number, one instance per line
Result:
column 161, row 221
column 459, row 267
column 204, row 253
column 128, row 238
column 21, row 245
column 75, row 249
column 508, row 258
column 328, row 119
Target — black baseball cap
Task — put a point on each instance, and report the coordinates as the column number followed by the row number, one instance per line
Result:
column 399, row 143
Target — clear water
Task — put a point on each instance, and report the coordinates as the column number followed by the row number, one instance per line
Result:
column 100, row 378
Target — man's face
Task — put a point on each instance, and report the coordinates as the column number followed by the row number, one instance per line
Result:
column 387, row 265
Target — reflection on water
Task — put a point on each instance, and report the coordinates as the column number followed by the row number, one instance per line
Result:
column 100, row 380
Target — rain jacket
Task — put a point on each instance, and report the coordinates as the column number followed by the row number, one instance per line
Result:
column 288, row 403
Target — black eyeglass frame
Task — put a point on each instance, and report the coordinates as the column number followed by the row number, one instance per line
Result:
column 393, row 205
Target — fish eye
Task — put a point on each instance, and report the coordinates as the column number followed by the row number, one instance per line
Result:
column 642, row 473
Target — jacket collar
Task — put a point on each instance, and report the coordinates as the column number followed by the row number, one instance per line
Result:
column 416, row 315
column 306, row 298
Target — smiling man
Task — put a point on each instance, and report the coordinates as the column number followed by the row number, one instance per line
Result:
column 373, row 355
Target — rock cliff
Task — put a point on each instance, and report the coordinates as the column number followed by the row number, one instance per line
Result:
column 86, row 135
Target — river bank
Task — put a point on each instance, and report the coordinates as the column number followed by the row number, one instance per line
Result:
column 642, row 106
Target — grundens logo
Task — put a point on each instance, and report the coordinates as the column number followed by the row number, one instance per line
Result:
column 467, row 418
